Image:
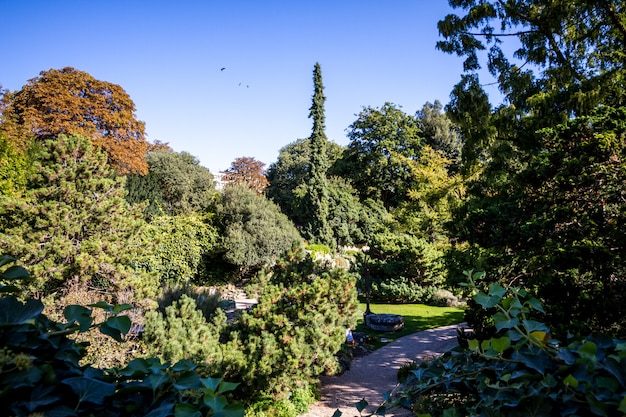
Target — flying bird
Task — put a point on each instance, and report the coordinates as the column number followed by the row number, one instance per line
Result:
column 223, row 68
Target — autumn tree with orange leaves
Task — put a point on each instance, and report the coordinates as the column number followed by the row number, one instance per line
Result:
column 248, row 171
column 72, row 102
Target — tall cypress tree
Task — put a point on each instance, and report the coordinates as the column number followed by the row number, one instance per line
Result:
column 316, row 204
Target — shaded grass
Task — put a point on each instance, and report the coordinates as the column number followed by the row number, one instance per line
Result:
column 417, row 317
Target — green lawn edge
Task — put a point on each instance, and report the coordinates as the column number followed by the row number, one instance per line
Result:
column 417, row 317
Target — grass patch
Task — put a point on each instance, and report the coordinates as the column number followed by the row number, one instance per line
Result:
column 417, row 317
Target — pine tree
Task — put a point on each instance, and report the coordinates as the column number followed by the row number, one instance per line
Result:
column 316, row 201
column 72, row 224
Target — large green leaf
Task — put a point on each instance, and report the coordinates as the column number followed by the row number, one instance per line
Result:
column 16, row 272
column 89, row 389
column 13, row 312
column 116, row 326
column 186, row 410
column 187, row 380
column 80, row 314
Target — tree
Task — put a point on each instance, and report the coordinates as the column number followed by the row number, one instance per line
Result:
column 556, row 225
column 290, row 172
column 380, row 139
column 176, row 183
column 182, row 245
column 440, row 133
column 247, row 171
column 254, row 231
column 15, row 168
column 315, row 202
column 71, row 225
column 569, row 56
column 546, row 163
column 72, row 102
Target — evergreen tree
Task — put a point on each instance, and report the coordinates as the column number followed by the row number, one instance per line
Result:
column 317, row 228
column 72, row 224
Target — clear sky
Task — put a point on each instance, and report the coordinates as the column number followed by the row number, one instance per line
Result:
column 169, row 55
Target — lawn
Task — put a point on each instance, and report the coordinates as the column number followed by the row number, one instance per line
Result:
column 417, row 317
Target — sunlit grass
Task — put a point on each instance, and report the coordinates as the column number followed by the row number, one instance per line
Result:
column 417, row 317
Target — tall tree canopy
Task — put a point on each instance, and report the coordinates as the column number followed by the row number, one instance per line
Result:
column 290, row 172
column 247, row 171
column 546, row 164
column 254, row 231
column 72, row 102
column 380, row 140
column 440, row 133
column 569, row 55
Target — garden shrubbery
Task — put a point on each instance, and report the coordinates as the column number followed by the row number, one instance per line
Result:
column 278, row 348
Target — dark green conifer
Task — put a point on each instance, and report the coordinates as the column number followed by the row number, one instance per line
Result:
column 316, row 201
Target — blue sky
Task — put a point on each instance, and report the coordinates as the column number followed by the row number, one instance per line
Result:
column 168, row 56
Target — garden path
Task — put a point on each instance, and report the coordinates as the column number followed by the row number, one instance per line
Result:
column 371, row 375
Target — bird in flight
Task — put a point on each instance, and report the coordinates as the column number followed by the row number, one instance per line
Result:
column 223, row 68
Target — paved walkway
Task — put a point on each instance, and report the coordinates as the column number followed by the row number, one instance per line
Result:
column 370, row 376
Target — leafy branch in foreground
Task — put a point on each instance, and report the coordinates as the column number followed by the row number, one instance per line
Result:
column 520, row 371
column 40, row 371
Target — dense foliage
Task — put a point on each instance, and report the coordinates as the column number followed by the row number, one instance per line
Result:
column 183, row 245
column 72, row 102
column 71, row 225
column 277, row 347
column 315, row 204
column 176, row 183
column 522, row 370
column 375, row 161
column 546, row 167
column 40, row 371
column 254, row 232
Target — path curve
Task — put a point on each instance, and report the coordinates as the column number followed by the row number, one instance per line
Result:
column 371, row 375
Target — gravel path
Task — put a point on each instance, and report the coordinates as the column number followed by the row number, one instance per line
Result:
column 371, row 375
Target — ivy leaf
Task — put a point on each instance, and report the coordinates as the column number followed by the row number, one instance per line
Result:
column 16, row 272
column 227, row 386
column 89, row 389
column 215, row 402
column 536, row 304
column 14, row 312
column 79, row 314
column 116, row 326
column 164, row 410
column 231, row 410
column 103, row 305
column 186, row 410
column 187, row 380
column 361, row 405
column 501, row 344
column 535, row 326
column 501, row 321
column 570, row 381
